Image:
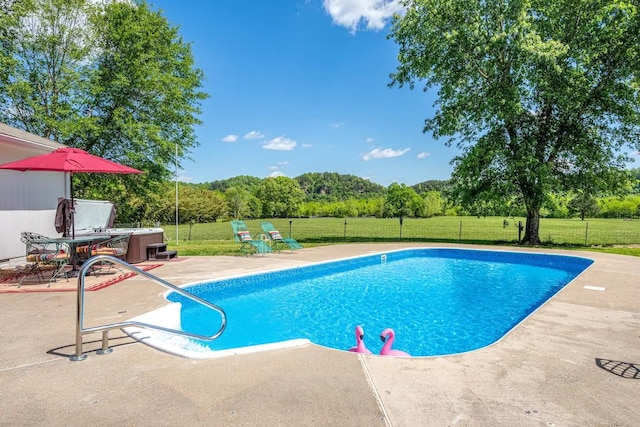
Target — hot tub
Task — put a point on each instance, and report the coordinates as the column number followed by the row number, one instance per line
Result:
column 138, row 241
column 95, row 217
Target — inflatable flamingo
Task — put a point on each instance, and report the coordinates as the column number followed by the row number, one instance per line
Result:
column 387, row 336
column 360, row 347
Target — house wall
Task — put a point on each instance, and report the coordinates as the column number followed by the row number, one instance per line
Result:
column 28, row 200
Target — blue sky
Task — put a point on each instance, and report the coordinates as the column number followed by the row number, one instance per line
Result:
column 302, row 86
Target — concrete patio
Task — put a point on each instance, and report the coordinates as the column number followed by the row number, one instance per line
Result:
column 574, row 362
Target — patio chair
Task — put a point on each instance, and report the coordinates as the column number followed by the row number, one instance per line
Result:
column 116, row 246
column 276, row 238
column 247, row 244
column 43, row 254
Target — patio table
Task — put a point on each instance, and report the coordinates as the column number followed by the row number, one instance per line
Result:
column 73, row 243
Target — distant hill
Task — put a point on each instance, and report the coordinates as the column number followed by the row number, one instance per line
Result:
column 325, row 186
column 246, row 182
column 431, row 185
column 331, row 186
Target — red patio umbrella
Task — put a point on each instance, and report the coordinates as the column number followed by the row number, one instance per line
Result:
column 72, row 160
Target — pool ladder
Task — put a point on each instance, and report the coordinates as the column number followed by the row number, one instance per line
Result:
column 81, row 330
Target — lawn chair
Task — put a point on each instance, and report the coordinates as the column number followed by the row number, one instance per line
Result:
column 44, row 255
column 247, row 245
column 276, row 238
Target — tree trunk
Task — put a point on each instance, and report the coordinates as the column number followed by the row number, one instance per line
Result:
column 532, row 228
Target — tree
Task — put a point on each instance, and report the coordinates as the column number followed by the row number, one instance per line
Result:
column 44, row 47
column 433, row 203
column 199, row 205
column 635, row 180
column 281, row 197
column 584, row 204
column 402, row 201
column 539, row 95
column 113, row 78
column 238, row 202
column 244, row 182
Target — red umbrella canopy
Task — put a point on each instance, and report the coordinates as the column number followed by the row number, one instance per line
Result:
column 73, row 160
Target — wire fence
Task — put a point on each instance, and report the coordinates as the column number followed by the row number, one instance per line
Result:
column 450, row 229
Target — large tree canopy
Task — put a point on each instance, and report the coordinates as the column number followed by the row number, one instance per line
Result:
column 540, row 95
column 113, row 78
column 281, row 197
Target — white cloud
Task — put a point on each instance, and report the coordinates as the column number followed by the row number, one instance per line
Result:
column 185, row 178
column 383, row 153
column 230, row 138
column 283, row 163
column 275, row 174
column 280, row 143
column 273, row 168
column 374, row 14
column 423, row 155
column 336, row 125
column 306, row 145
column 370, row 140
column 254, row 134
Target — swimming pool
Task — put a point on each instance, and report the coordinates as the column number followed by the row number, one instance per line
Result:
column 438, row 300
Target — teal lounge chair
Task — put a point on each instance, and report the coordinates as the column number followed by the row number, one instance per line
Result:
column 242, row 235
column 276, row 238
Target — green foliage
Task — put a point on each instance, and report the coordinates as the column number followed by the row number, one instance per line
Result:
column 556, row 206
column 44, row 47
column 330, row 186
column 243, row 182
column 198, row 205
column 349, row 208
column 238, row 202
column 585, row 205
column 402, row 201
column 280, row 197
column 620, row 207
column 113, row 78
column 635, row 180
column 432, row 185
column 540, row 96
column 433, row 203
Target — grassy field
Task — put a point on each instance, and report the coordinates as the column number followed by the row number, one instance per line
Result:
column 594, row 234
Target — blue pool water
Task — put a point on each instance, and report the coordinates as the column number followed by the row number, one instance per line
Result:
column 439, row 301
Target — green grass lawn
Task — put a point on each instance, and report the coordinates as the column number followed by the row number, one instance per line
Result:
column 602, row 235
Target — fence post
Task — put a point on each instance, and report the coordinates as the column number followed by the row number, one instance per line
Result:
column 344, row 236
column 586, row 233
column 290, row 221
column 519, row 231
column 460, row 232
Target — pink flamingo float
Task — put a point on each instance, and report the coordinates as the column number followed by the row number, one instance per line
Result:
column 360, row 347
column 387, row 336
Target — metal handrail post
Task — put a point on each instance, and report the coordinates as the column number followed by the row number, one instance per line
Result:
column 80, row 330
column 79, row 317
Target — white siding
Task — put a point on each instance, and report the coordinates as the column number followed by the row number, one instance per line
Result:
column 28, row 200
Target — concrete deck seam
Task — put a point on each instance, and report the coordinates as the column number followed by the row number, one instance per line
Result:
column 374, row 389
column 26, row 365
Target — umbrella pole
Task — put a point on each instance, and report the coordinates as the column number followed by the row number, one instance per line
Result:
column 73, row 209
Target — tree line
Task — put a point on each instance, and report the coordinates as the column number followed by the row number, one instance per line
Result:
column 283, row 197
